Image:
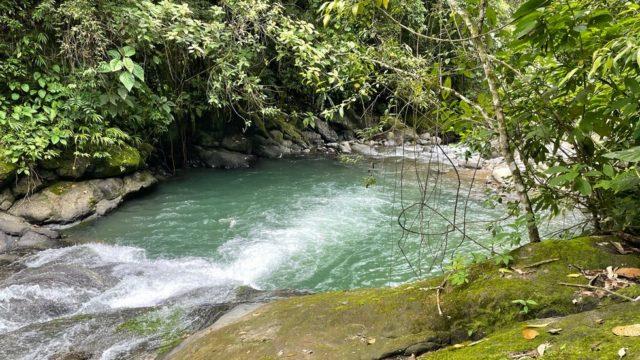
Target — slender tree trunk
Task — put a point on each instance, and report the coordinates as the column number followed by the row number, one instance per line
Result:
column 518, row 180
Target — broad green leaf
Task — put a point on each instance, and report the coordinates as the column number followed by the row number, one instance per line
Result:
column 385, row 3
column 128, row 51
column 138, row 72
column 127, row 80
column 128, row 64
column 123, row 92
column 529, row 6
column 583, row 186
column 608, row 170
column 630, row 155
column 567, row 77
column 114, row 54
column 15, row 96
column 115, row 65
column 42, row 93
column 24, row 87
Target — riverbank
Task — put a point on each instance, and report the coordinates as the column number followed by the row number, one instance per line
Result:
column 479, row 319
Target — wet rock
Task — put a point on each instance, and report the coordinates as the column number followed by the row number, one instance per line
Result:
column 34, row 240
column 237, row 143
column 6, row 199
column 65, row 202
column 421, row 348
column 326, row 131
column 13, row 225
column 277, row 135
column 364, row 149
column 224, row 159
column 501, row 174
column 312, row 137
column 474, row 162
column 345, row 147
column 26, row 185
column 105, row 206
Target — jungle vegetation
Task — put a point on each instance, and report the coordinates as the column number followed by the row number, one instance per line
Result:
column 553, row 85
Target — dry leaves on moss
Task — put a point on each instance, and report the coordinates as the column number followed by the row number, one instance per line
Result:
column 627, row 330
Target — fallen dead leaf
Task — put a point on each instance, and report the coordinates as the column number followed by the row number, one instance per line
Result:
column 629, row 273
column 371, row 341
column 536, row 326
column 554, row 331
column 529, row 334
column 622, row 353
column 599, row 321
column 627, row 330
column 458, row 346
column 574, row 275
column 542, row 348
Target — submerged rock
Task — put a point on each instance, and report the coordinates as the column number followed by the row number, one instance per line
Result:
column 66, row 202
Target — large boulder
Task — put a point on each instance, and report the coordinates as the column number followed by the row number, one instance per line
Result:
column 68, row 165
column 326, row 131
column 224, row 159
column 66, row 202
column 121, row 161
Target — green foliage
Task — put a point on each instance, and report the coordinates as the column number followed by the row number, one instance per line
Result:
column 524, row 305
column 459, row 271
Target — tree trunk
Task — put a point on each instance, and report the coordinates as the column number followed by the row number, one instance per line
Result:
column 518, row 180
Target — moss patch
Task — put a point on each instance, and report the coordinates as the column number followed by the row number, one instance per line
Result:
column 7, row 169
column 584, row 336
column 370, row 323
column 122, row 160
column 60, row 187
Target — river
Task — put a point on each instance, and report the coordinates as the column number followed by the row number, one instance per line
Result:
column 170, row 262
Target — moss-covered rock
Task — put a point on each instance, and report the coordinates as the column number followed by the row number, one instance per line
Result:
column 585, row 335
column 122, row 160
column 374, row 323
column 68, row 165
column 7, row 170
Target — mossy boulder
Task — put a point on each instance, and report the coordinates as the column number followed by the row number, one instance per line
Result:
column 68, row 165
column 379, row 323
column 122, row 160
column 7, row 170
column 586, row 335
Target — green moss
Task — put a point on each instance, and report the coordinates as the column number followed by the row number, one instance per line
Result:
column 339, row 324
column 586, row 335
column 157, row 323
column 122, row 160
column 60, row 187
column 7, row 169
column 289, row 129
